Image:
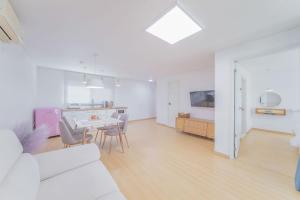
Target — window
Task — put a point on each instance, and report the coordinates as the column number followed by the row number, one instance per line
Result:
column 100, row 95
column 78, row 94
column 83, row 95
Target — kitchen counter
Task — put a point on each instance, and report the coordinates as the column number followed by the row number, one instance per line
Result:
column 93, row 109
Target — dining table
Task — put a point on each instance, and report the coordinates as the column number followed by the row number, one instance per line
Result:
column 94, row 124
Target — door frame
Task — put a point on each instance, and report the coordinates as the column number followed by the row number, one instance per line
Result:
column 244, row 104
column 168, row 101
column 236, row 55
column 234, row 111
column 240, row 110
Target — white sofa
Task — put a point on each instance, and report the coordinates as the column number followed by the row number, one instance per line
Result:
column 68, row 174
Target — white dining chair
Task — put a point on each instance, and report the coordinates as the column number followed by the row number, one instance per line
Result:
column 117, row 132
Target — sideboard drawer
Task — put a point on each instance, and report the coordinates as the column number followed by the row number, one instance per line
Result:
column 204, row 128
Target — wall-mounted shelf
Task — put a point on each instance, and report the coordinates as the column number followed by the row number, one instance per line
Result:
column 270, row 111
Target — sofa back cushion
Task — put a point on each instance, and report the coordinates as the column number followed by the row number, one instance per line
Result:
column 297, row 176
column 10, row 150
column 22, row 181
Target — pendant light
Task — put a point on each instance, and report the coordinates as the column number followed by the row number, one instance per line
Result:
column 84, row 81
column 95, row 83
column 117, row 83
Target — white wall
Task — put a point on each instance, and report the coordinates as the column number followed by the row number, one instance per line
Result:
column 138, row 96
column 224, row 81
column 50, row 88
column 96, row 95
column 202, row 79
column 17, row 86
column 281, row 73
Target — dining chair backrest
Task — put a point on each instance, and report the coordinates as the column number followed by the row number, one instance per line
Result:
column 115, row 115
column 67, row 123
column 66, row 134
column 297, row 176
column 124, row 123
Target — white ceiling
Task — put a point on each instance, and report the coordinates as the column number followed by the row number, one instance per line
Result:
column 60, row 33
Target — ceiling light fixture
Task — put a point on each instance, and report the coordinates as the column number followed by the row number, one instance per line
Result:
column 117, row 83
column 174, row 26
column 84, row 81
column 95, row 83
column 150, row 80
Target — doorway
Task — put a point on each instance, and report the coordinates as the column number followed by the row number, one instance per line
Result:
column 173, row 102
column 268, row 83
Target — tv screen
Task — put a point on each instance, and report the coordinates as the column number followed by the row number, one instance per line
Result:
column 203, row 99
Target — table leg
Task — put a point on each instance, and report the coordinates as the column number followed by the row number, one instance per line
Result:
column 104, row 141
column 120, row 136
column 121, row 142
column 111, row 137
column 96, row 136
column 101, row 134
column 84, row 136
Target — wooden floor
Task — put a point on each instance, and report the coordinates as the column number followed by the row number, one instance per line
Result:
column 270, row 151
column 162, row 164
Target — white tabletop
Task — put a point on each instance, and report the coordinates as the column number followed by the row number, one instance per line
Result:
column 99, row 123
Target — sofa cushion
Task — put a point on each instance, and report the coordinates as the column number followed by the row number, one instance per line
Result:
column 88, row 182
column 56, row 162
column 22, row 181
column 297, row 176
column 10, row 150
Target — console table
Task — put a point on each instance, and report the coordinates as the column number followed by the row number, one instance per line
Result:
column 201, row 127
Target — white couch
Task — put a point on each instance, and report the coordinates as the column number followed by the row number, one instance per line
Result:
column 68, row 174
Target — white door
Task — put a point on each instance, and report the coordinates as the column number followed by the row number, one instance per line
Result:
column 173, row 102
column 240, row 117
column 243, row 108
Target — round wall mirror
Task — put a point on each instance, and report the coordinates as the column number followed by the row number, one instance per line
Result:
column 270, row 99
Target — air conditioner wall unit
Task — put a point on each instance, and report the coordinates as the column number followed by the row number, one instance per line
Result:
column 9, row 23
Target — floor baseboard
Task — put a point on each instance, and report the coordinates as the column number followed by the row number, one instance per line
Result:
column 271, row 131
column 144, row 119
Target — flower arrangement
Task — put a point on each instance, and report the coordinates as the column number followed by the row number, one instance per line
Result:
column 31, row 140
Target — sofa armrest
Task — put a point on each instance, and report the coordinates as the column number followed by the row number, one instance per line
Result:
column 56, row 162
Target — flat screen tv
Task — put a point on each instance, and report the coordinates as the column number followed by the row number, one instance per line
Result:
column 203, row 99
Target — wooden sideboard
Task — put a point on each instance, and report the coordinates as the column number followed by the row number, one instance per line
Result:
column 201, row 127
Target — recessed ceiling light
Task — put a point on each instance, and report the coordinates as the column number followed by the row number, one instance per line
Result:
column 174, row 26
column 150, row 80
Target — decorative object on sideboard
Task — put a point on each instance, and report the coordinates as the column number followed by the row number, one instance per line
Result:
column 31, row 140
column 184, row 115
